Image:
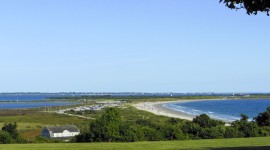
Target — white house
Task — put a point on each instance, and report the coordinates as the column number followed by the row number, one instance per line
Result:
column 65, row 132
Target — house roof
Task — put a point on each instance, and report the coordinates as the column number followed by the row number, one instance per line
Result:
column 60, row 129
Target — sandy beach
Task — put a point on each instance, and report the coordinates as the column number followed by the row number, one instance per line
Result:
column 158, row 109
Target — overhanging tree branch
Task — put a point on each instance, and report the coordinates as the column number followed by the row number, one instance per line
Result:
column 251, row 6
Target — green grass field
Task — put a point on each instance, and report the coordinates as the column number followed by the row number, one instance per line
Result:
column 220, row 144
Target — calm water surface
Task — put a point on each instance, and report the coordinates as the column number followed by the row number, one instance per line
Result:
column 17, row 101
column 222, row 109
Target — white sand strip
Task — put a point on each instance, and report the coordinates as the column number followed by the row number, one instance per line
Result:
column 158, row 109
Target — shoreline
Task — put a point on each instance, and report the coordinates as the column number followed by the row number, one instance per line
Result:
column 158, row 109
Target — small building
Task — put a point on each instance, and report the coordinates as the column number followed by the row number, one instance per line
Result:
column 65, row 132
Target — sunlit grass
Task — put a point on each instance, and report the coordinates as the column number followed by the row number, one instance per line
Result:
column 223, row 144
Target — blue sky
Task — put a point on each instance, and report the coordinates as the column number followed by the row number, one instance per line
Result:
column 133, row 46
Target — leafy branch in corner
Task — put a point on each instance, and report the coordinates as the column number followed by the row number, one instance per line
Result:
column 251, row 6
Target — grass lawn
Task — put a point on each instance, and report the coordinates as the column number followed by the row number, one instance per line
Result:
column 217, row 144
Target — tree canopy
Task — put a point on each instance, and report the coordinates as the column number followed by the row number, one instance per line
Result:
column 11, row 128
column 251, row 6
column 263, row 119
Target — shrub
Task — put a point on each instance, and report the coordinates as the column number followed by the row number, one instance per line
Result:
column 5, row 137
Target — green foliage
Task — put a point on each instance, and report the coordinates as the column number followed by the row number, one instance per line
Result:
column 5, row 137
column 174, row 132
column 212, row 133
column 130, row 125
column 231, row 132
column 131, row 133
column 263, row 119
column 41, row 139
column 106, row 128
column 21, row 140
column 11, row 128
column 110, row 122
column 150, row 134
column 265, row 131
column 203, row 127
column 83, row 137
column 246, row 128
column 251, row 6
column 244, row 117
column 145, row 122
column 192, row 129
column 206, row 122
column 174, row 121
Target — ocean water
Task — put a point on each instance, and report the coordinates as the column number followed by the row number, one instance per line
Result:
column 21, row 105
column 18, row 101
column 228, row 110
column 29, row 97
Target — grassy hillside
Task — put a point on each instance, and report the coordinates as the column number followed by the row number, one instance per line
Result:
column 31, row 122
column 221, row 144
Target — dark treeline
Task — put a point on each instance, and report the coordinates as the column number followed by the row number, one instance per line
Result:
column 109, row 127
